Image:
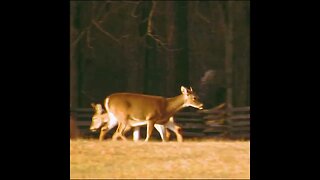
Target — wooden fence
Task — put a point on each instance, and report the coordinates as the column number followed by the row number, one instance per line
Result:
column 220, row 121
column 227, row 122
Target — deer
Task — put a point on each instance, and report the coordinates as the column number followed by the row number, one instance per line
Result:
column 100, row 120
column 133, row 109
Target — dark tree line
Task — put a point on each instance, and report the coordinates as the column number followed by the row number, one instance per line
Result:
column 154, row 47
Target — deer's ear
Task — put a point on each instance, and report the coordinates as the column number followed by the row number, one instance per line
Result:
column 184, row 90
column 93, row 105
column 99, row 106
column 191, row 89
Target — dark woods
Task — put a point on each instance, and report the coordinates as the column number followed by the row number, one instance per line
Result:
column 154, row 47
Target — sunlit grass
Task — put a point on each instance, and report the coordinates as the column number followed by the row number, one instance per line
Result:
column 90, row 158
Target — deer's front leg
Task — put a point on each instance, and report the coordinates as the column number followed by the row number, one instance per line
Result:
column 167, row 134
column 178, row 133
column 150, row 125
column 115, row 135
column 103, row 133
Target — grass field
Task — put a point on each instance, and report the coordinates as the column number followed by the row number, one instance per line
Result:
column 90, row 158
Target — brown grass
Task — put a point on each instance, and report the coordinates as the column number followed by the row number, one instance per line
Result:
column 191, row 159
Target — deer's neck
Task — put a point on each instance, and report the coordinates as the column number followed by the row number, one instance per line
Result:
column 175, row 104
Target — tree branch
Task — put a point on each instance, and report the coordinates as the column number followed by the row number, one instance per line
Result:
column 89, row 38
column 78, row 38
column 101, row 18
column 100, row 11
column 150, row 31
column 200, row 15
column 134, row 10
column 105, row 32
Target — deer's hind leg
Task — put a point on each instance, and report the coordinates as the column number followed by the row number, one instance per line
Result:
column 150, row 125
column 162, row 130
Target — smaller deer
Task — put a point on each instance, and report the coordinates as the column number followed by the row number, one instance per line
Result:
column 100, row 120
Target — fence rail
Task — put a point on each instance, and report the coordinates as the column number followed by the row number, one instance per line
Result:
column 216, row 122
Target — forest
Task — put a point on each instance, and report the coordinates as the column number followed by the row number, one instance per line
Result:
column 154, row 47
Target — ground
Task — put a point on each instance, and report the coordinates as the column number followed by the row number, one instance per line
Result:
column 90, row 158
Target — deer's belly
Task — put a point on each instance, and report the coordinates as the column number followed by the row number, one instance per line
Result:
column 134, row 123
column 162, row 121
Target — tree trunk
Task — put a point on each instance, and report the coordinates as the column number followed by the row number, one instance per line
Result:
column 227, row 19
column 229, row 52
column 150, row 52
column 181, row 33
column 74, row 130
column 73, row 61
column 241, row 81
column 170, row 55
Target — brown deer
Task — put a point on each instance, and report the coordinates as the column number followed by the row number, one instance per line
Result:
column 131, row 109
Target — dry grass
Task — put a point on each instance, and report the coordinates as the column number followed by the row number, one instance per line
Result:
column 190, row 159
